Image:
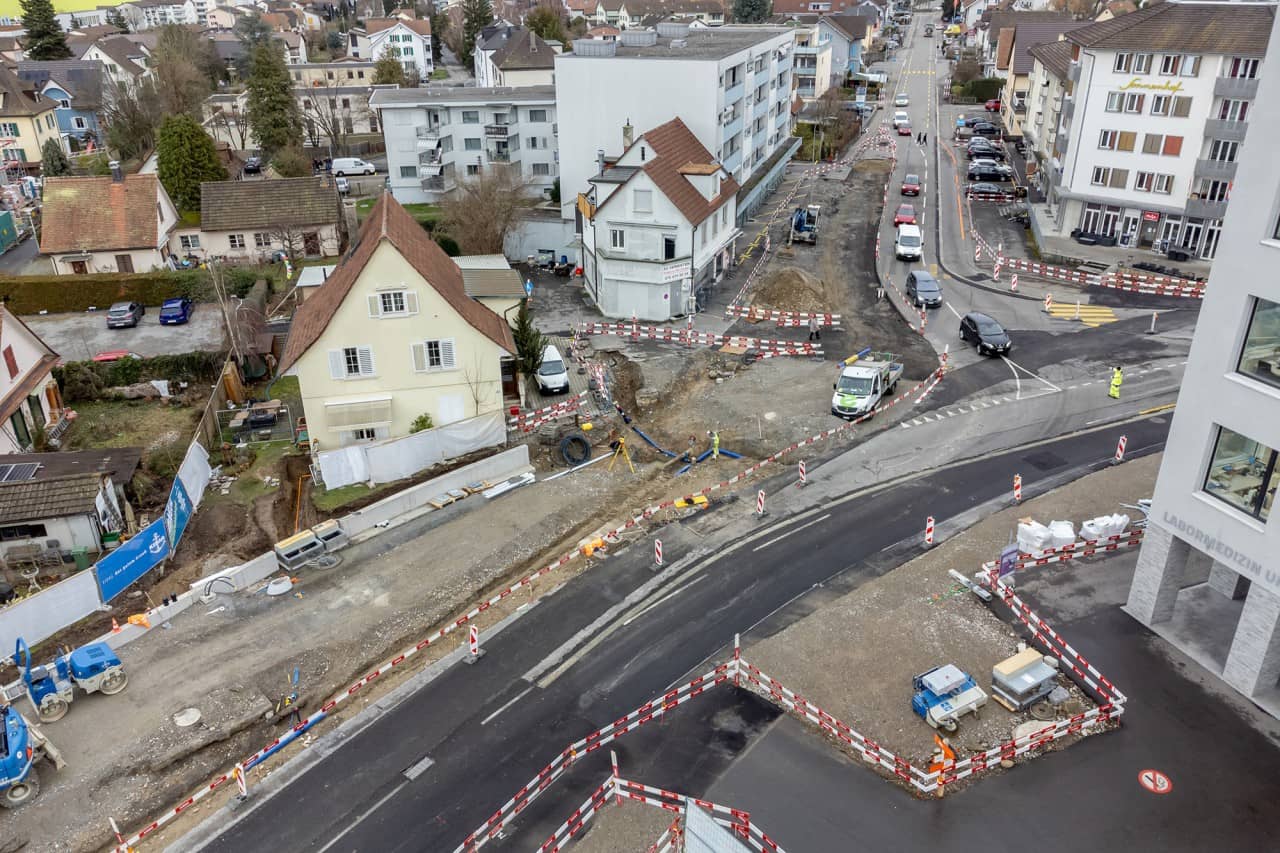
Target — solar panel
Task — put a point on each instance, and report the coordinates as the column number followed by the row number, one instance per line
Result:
column 19, row 472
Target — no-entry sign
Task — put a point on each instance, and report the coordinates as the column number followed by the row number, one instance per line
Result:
column 1155, row 781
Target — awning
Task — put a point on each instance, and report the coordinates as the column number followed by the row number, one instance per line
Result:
column 363, row 413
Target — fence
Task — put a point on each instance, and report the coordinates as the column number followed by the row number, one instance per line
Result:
column 240, row 425
column 397, row 458
column 228, row 387
column 49, row 611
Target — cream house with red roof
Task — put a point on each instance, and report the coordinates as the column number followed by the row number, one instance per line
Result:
column 392, row 335
column 30, row 405
column 658, row 225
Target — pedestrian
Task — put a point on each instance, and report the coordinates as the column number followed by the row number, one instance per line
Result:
column 924, row 138
column 815, row 331
column 1117, row 378
column 715, row 444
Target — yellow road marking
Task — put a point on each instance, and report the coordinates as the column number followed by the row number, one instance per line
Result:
column 1166, row 407
column 1090, row 315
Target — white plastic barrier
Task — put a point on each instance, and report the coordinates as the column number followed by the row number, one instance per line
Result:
column 395, row 459
column 44, row 614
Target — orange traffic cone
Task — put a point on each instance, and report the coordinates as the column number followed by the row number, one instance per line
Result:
column 115, row 626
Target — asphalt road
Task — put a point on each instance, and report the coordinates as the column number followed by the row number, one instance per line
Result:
column 488, row 730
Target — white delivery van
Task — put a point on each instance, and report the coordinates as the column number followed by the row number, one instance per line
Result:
column 553, row 376
column 353, row 166
column 908, row 246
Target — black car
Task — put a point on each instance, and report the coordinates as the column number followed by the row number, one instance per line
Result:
column 124, row 315
column 253, row 166
column 988, row 335
column 987, row 188
column 982, row 149
column 986, row 173
column 986, row 128
column 923, row 290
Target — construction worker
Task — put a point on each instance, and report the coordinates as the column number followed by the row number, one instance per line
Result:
column 1117, row 378
column 715, row 444
column 815, row 331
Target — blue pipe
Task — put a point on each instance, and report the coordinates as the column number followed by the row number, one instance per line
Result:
column 652, row 443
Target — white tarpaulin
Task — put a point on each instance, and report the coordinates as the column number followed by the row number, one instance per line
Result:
column 343, row 467
column 395, row 459
column 194, row 472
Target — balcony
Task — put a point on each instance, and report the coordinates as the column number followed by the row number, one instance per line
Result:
column 438, row 184
column 1020, row 107
column 1229, row 131
column 1060, row 146
column 732, row 127
column 1068, row 107
column 498, row 131
column 733, row 92
column 430, row 158
column 1202, row 209
column 1218, row 170
column 1237, row 88
column 496, row 156
column 428, row 137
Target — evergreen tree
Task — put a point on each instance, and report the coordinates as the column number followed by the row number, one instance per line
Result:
column 272, row 110
column 439, row 29
column 529, row 341
column 53, row 163
column 45, row 39
column 476, row 15
column 388, row 69
column 546, row 23
column 751, row 11
column 185, row 158
column 116, row 19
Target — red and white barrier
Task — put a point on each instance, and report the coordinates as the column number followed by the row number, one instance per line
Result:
column 760, row 504
column 1013, row 283
column 928, row 530
column 473, row 642
column 529, row 421
column 1017, row 488
column 782, row 318
column 1048, row 302
column 657, row 552
column 804, row 477
column 688, row 337
column 1120, row 445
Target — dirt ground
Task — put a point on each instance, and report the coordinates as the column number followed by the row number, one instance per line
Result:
column 856, row 656
column 629, row 828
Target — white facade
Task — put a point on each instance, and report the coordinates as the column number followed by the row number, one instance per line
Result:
column 436, row 137
column 29, row 399
column 151, row 14
column 411, row 48
column 730, row 85
column 1214, row 516
column 1040, row 126
column 1147, row 143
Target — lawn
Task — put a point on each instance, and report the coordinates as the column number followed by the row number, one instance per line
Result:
column 334, row 499
column 128, row 423
column 440, row 74
column 249, row 484
column 424, row 213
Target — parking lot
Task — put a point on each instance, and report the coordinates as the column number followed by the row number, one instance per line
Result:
column 82, row 335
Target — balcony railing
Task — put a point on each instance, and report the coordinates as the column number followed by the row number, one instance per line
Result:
column 429, row 158
column 428, row 137
column 438, row 184
column 1219, row 170
column 499, row 156
column 1229, row 131
column 497, row 130
column 1203, row 209
column 1237, row 88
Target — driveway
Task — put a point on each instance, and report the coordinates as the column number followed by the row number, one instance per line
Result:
column 81, row 336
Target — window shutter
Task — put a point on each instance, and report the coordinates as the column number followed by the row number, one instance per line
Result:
column 411, row 301
column 1181, row 106
column 1127, row 140
column 419, row 352
column 1142, row 99
column 1172, row 146
column 365, row 356
column 1151, row 143
column 446, row 354
column 375, row 305
column 337, row 366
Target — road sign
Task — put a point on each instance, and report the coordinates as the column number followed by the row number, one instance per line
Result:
column 1155, row 781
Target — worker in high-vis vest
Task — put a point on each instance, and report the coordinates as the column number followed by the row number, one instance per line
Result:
column 715, row 444
column 1117, row 379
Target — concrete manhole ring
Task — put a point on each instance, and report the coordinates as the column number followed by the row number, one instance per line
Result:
column 279, row 586
column 769, row 416
column 186, row 717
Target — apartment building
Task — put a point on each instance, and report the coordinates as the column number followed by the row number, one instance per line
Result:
column 731, row 86
column 1157, row 105
column 1046, row 91
column 1020, row 63
column 435, row 137
column 1208, row 575
column 513, row 56
column 812, row 62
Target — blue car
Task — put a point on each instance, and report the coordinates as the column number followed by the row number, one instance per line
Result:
column 175, row 312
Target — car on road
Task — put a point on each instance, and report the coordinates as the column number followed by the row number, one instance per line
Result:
column 125, row 315
column 175, row 312
column 911, row 185
column 908, row 246
column 253, row 166
column 906, row 215
column 988, row 188
column 985, row 333
column 992, row 106
column 552, row 375
column 923, row 290
column 902, row 101
column 987, row 173
column 353, row 166
column 901, row 117
column 904, row 130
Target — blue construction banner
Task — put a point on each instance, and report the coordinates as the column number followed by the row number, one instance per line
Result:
column 177, row 512
column 132, row 560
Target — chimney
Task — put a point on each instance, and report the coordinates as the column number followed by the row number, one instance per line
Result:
column 117, row 174
column 599, row 161
column 628, row 135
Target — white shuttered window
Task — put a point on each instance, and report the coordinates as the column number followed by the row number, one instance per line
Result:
column 351, row 362
column 430, row 356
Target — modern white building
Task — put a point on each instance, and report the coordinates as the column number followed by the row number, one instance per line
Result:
column 1157, row 106
column 435, row 137
column 731, row 86
column 1208, row 576
column 658, row 225
column 151, row 14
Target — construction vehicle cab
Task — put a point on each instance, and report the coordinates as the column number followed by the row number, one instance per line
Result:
column 804, row 224
column 22, row 744
column 93, row 668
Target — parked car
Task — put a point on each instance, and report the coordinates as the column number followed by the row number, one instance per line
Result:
column 988, row 188
column 923, row 290
column 985, row 174
column 986, row 129
column 906, row 215
column 353, row 166
column 343, row 185
column 124, row 315
column 989, row 163
column 552, row 375
column 253, row 166
column 992, row 106
column 904, row 130
column 175, row 312
column 902, row 100
column 985, row 333
column 911, row 185
column 909, row 246
column 987, row 150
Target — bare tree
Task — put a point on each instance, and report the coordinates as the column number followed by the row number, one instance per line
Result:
column 231, row 123
column 331, row 113
column 484, row 209
column 473, row 375
column 292, row 240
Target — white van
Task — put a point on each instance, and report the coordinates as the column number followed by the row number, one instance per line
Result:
column 353, row 166
column 908, row 246
column 899, row 118
column 552, row 375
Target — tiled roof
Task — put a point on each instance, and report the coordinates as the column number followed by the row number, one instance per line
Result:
column 54, row 497
column 99, row 214
column 853, row 26
column 672, row 7
column 377, row 25
column 118, row 463
column 675, row 149
column 81, row 78
column 1005, row 18
column 391, row 222
column 121, row 50
column 524, row 51
column 781, row 7
column 19, row 98
column 1027, row 36
column 1004, row 48
column 1239, row 29
column 1055, row 56
column 229, row 205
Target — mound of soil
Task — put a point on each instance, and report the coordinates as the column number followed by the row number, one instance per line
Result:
column 792, row 289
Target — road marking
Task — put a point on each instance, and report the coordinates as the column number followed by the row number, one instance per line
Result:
column 422, row 766
column 953, row 311
column 669, row 595
column 1031, row 373
column 1166, row 407
column 1017, row 380
column 1092, row 316
column 1155, row 781
column 363, row 815
column 518, row 697
column 789, row 532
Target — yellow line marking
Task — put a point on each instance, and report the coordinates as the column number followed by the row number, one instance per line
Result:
column 1166, row 407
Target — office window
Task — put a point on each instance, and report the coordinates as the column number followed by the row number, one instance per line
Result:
column 470, row 116
column 1142, row 63
column 471, row 143
column 408, row 171
column 1160, row 105
column 1107, row 139
column 1164, row 184
column 1144, row 181
column 617, row 238
column 1260, row 357
column 236, row 241
column 1123, row 64
column 1242, row 473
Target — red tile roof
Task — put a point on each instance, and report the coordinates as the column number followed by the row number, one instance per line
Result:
column 100, row 214
column 677, row 149
column 391, row 222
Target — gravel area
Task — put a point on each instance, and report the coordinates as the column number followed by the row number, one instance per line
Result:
column 629, row 828
column 856, row 656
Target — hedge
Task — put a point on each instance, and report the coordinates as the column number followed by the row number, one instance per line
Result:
column 89, row 380
column 984, row 89
column 31, row 294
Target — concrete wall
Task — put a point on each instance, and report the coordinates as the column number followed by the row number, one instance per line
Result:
column 40, row 616
column 539, row 233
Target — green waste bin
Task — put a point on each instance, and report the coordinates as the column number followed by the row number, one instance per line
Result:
column 81, row 556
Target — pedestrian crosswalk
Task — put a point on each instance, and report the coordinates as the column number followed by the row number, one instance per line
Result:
column 1091, row 315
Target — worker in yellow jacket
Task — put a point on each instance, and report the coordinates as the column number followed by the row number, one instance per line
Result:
column 1117, row 379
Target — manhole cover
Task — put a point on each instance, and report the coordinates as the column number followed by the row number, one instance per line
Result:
column 186, row 717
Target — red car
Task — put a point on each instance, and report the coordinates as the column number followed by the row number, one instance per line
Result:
column 993, row 105
column 906, row 215
column 904, row 130
column 911, row 185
